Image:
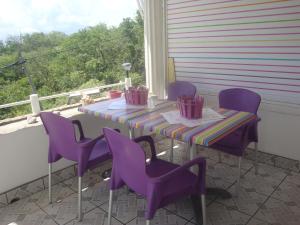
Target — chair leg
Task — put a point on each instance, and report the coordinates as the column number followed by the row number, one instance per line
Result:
column 239, row 176
column 79, row 198
column 110, row 207
column 50, row 182
column 131, row 133
column 203, row 207
column 255, row 158
column 171, row 150
column 147, row 222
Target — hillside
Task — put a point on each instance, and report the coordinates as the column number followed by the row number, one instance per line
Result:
column 58, row 62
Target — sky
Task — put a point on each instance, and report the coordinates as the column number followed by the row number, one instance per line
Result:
column 68, row 16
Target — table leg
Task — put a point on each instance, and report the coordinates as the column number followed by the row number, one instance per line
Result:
column 215, row 192
column 131, row 133
column 193, row 153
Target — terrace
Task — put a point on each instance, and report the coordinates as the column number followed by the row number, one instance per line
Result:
column 215, row 45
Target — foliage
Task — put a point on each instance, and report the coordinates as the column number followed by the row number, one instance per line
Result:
column 57, row 62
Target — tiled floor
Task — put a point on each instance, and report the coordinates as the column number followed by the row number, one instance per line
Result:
column 269, row 198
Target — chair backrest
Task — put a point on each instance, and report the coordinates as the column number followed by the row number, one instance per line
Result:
column 129, row 161
column 62, row 137
column 239, row 99
column 180, row 88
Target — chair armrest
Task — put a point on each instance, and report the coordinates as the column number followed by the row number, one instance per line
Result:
column 78, row 124
column 91, row 143
column 200, row 161
column 149, row 139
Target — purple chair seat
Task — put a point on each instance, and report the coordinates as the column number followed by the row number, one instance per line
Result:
column 174, row 188
column 159, row 181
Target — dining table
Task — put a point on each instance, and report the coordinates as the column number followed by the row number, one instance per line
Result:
column 151, row 119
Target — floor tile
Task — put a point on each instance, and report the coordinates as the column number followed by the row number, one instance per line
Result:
column 279, row 212
column 224, row 172
column 67, row 173
column 194, row 223
column 288, row 192
column 208, row 153
column 89, row 179
column 247, row 202
column 60, row 176
column 36, row 218
column 180, row 156
column 218, row 214
column 107, row 165
column 285, row 163
column 66, row 210
column 268, row 171
column 282, row 208
column 216, row 182
column 233, row 161
column 97, row 194
column 262, row 157
column 293, row 178
column 23, row 206
column 55, row 179
column 59, row 192
column 259, row 184
column 34, row 186
column 17, row 193
column 258, row 222
column 126, row 206
column 3, row 200
column 94, row 217
column 162, row 217
column 266, row 181
column 183, row 208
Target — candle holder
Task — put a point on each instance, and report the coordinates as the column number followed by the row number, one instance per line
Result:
column 190, row 107
column 136, row 95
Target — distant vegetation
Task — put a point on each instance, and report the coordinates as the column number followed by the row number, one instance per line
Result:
column 58, row 62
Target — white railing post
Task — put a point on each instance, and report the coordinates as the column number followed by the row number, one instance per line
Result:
column 35, row 104
column 127, row 82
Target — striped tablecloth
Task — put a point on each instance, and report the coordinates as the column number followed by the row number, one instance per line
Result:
column 152, row 120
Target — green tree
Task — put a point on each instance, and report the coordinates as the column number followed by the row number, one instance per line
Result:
column 58, row 62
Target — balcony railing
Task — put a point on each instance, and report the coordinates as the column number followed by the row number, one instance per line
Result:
column 70, row 95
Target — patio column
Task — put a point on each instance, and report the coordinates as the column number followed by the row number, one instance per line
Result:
column 155, row 46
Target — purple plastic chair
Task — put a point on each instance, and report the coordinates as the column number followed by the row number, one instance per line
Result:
column 159, row 181
column 180, row 88
column 175, row 90
column 236, row 143
column 88, row 153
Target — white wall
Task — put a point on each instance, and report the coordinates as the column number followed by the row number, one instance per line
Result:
column 24, row 152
